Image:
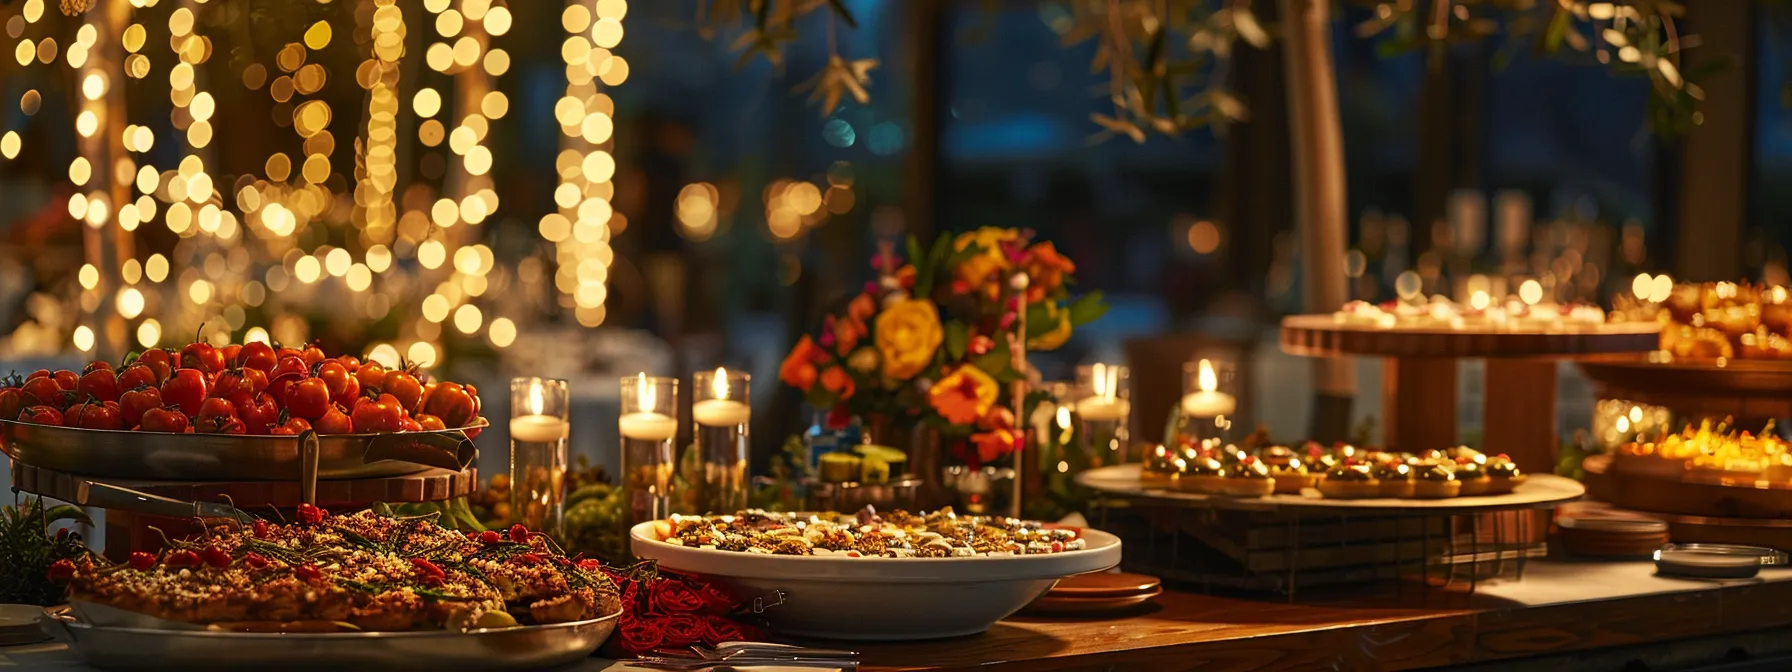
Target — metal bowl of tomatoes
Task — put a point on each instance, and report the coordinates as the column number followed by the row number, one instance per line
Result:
column 237, row 413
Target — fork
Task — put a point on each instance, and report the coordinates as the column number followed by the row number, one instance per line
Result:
column 726, row 650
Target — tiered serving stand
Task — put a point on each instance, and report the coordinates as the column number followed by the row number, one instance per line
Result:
column 1418, row 388
column 1699, row 508
column 1289, row 542
column 152, row 480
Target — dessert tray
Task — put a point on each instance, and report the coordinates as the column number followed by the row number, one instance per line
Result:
column 231, row 457
column 515, row 648
column 1537, row 492
column 837, row 596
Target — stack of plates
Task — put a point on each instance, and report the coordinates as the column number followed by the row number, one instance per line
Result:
column 1096, row 593
column 1610, row 533
column 18, row 625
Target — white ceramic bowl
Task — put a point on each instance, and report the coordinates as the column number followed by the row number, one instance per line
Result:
column 884, row 598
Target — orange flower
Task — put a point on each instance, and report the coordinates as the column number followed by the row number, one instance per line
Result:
column 994, row 445
column 964, row 395
column 905, row 276
column 1046, row 269
column 836, row 380
column 847, row 333
column 798, row 369
column 863, row 306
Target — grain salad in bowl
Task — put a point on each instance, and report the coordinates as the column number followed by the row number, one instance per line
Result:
column 940, row 534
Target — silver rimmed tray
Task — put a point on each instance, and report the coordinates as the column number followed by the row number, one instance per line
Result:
column 532, row 647
column 157, row 456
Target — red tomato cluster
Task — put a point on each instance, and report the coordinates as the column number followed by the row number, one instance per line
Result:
column 254, row 388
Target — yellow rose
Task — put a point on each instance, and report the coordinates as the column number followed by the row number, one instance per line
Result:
column 989, row 239
column 1057, row 335
column 908, row 333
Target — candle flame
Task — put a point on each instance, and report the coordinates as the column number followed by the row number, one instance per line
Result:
column 535, row 402
column 1100, row 375
column 720, row 384
column 643, row 393
column 1063, row 417
column 1208, row 380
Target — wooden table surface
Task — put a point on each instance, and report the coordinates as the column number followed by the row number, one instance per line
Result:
column 1558, row 607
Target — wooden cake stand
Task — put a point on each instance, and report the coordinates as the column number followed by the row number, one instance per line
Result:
column 1754, row 514
column 1418, row 388
column 1751, row 390
column 128, row 531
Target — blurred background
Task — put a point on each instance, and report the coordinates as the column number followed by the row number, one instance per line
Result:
column 590, row 189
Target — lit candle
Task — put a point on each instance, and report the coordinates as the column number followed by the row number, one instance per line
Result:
column 647, row 424
column 1208, row 402
column 721, row 411
column 1105, row 403
column 536, row 427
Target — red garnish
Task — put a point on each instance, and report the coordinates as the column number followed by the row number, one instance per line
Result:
column 307, row 572
column 183, row 559
column 142, row 561
column 62, row 570
column 255, row 560
column 519, row 534
column 427, row 571
column 311, row 515
column 490, row 537
column 529, row 558
column 472, row 536
column 216, row 557
column 260, row 529
column 589, row 565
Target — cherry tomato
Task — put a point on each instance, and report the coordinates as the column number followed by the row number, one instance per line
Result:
column 12, row 402
column 403, row 385
column 164, row 419
column 159, row 361
column 137, row 375
column 259, row 356
column 66, row 379
column 41, row 415
column 231, row 353
column 71, row 416
column 308, row 399
column 218, row 416
column 186, row 388
column 352, row 362
column 429, row 422
column 201, row 355
column 133, row 404
column 228, row 382
column 312, row 355
column 40, row 373
column 334, row 421
column 46, row 391
column 259, row 413
column 289, row 370
column 98, row 384
column 344, row 388
column 452, row 403
column 372, row 376
column 408, row 424
column 378, row 415
column 97, row 415
column 292, row 426
column 96, row 365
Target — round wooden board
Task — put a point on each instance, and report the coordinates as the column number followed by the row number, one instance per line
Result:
column 1537, row 492
column 1663, row 495
column 1323, row 336
column 1749, row 389
column 430, row 486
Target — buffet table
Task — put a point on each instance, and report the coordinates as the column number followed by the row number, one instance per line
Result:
column 1559, row 607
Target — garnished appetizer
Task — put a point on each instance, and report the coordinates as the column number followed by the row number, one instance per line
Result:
column 1395, row 477
column 1160, row 467
column 1201, row 474
column 1434, row 480
column 1473, row 478
column 1318, row 459
column 899, row 534
column 362, row 571
column 1249, row 477
column 1350, row 481
column 1502, row 475
column 1291, row 477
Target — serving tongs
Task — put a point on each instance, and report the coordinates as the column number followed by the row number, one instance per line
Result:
column 109, row 496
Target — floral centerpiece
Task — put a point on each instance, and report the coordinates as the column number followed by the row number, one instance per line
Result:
column 933, row 341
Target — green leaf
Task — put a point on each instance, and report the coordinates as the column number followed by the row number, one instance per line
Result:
column 1087, row 309
column 958, row 337
column 995, row 362
column 67, row 512
column 923, row 268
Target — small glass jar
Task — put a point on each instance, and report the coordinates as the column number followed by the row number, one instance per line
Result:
column 649, row 425
column 538, row 432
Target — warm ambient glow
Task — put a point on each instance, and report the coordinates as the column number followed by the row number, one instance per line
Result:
column 644, row 393
column 720, row 384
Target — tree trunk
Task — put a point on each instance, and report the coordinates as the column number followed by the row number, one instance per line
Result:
column 1318, row 145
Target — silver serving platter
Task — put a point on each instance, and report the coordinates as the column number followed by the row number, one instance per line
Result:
column 531, row 647
column 157, row 456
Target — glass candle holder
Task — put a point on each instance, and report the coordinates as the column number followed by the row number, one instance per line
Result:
column 722, row 412
column 1209, row 399
column 1103, row 410
column 538, row 433
column 649, row 426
